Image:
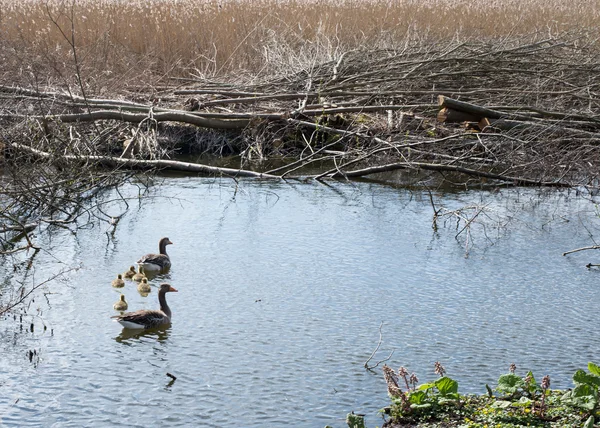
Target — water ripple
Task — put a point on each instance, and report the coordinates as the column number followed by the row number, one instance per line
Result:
column 280, row 302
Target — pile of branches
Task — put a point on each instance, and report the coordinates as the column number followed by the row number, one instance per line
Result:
column 519, row 112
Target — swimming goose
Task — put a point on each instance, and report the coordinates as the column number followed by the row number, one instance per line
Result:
column 121, row 305
column 129, row 274
column 139, row 275
column 144, row 287
column 157, row 262
column 118, row 282
column 145, row 318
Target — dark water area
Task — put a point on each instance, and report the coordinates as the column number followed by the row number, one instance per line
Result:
column 282, row 289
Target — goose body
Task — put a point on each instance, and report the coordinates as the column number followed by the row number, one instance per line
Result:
column 121, row 305
column 130, row 273
column 157, row 262
column 118, row 282
column 144, row 287
column 145, row 318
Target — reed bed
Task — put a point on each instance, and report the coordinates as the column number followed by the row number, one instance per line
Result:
column 119, row 42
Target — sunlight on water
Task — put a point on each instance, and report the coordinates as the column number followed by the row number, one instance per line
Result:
column 282, row 288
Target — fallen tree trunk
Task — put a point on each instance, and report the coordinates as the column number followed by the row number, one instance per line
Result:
column 517, row 181
column 20, row 228
column 169, row 116
column 115, row 162
column 478, row 111
column 447, row 115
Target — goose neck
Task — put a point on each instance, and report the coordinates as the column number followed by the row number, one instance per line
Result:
column 162, row 299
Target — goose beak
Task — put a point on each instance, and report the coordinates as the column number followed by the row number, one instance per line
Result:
column 169, row 242
column 172, row 289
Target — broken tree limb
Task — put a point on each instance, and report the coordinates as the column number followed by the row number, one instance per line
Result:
column 258, row 98
column 365, row 109
column 20, row 228
column 517, row 181
column 114, row 162
column 593, row 247
column 478, row 111
column 388, row 146
column 486, row 124
column 218, row 92
column 170, row 116
column 17, row 90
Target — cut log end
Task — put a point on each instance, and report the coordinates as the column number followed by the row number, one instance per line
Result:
column 447, row 115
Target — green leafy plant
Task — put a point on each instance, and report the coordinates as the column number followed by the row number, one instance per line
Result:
column 585, row 394
column 523, row 393
column 516, row 387
column 515, row 402
column 422, row 399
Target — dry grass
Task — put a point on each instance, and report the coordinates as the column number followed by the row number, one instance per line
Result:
column 142, row 41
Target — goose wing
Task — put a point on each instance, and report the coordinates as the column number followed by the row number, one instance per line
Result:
column 143, row 318
column 155, row 259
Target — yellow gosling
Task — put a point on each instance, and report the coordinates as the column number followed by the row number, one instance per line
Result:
column 118, row 282
column 121, row 305
column 140, row 275
column 130, row 273
column 144, row 287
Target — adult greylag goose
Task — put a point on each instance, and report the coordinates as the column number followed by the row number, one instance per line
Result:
column 139, row 275
column 121, row 304
column 144, row 287
column 146, row 318
column 129, row 274
column 157, row 262
column 118, row 282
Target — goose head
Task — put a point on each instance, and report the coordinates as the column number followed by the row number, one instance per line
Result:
column 162, row 245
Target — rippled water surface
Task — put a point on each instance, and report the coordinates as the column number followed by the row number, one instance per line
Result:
column 282, row 289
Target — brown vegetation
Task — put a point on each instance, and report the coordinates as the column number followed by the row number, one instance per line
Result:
column 127, row 43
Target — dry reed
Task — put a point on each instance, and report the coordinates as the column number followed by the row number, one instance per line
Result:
column 143, row 41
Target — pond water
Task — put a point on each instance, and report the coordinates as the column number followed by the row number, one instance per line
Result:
column 282, row 289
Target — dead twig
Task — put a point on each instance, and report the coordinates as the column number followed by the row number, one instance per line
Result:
column 371, row 367
column 593, row 247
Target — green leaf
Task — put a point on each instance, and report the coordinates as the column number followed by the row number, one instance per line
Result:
column 590, row 422
column 510, row 383
column 501, row 404
column 586, row 402
column 581, row 377
column 578, row 376
column 450, row 399
column 530, row 375
column 584, row 396
column 583, row 390
column 594, row 369
column 523, row 402
column 426, row 386
column 446, row 385
column 417, row 397
column 425, row 406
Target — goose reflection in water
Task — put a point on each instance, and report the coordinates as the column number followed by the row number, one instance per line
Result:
column 130, row 336
column 157, row 275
